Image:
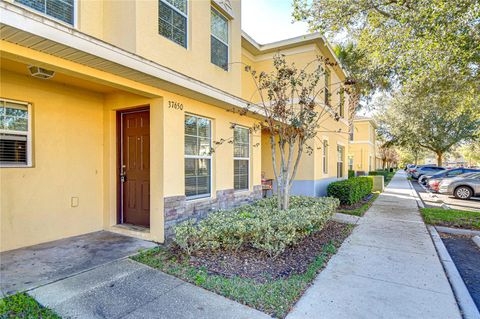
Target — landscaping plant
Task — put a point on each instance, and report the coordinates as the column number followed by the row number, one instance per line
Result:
column 260, row 225
column 350, row 191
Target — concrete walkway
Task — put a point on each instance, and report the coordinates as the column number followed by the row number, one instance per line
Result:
column 127, row 289
column 37, row 265
column 388, row 268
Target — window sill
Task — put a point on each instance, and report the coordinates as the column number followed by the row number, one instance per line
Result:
column 198, row 197
column 15, row 166
column 239, row 191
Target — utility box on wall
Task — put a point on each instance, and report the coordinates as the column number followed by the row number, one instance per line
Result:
column 378, row 183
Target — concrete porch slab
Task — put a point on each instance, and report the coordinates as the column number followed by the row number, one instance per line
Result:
column 34, row 266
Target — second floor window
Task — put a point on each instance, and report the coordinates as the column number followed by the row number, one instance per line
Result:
column 172, row 20
column 59, row 9
column 219, row 40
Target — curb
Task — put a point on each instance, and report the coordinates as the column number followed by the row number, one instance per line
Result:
column 345, row 218
column 457, row 231
column 476, row 240
column 415, row 195
column 465, row 301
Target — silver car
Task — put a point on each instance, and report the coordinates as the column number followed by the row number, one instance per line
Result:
column 461, row 187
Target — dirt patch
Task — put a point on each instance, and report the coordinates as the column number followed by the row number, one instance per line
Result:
column 251, row 263
column 359, row 204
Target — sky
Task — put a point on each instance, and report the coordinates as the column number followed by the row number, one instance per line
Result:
column 270, row 20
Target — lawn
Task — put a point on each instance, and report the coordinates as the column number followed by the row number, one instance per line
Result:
column 360, row 208
column 22, row 305
column 273, row 294
column 451, row 218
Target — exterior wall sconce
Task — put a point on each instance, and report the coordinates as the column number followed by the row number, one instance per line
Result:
column 40, row 73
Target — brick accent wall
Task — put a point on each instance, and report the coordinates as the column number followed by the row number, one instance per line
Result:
column 178, row 208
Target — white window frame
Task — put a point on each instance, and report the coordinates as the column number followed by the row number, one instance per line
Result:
column 227, row 44
column 325, row 156
column 342, row 160
column 187, row 22
column 242, row 158
column 44, row 14
column 207, row 195
column 28, row 134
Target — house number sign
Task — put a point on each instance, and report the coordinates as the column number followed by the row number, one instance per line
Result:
column 175, row 105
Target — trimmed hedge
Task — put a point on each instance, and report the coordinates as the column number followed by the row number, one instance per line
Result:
column 350, row 191
column 351, row 173
column 260, row 225
column 379, row 172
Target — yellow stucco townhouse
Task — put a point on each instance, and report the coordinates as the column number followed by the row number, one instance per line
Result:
column 363, row 150
column 109, row 111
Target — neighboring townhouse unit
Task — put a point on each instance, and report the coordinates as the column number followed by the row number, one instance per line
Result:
column 363, row 150
column 109, row 111
column 327, row 163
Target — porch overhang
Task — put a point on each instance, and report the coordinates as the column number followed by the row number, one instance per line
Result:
column 33, row 31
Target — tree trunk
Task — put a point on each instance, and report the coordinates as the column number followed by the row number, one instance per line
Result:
column 439, row 158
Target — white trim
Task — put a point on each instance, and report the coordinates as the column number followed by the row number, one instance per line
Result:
column 325, row 156
column 28, row 134
column 287, row 52
column 294, row 41
column 228, row 35
column 209, row 157
column 361, row 142
column 33, row 10
column 185, row 15
column 242, row 159
column 51, row 30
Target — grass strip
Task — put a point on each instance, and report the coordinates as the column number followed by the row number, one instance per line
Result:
column 360, row 211
column 451, row 218
column 21, row 305
column 274, row 297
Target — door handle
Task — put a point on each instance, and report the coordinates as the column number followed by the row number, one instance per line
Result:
column 123, row 174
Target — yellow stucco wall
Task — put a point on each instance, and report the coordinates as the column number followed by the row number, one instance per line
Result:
column 362, row 149
column 75, row 145
column 68, row 162
column 310, row 167
column 133, row 26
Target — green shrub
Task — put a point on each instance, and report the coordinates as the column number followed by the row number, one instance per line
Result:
column 351, row 173
column 260, row 225
column 350, row 191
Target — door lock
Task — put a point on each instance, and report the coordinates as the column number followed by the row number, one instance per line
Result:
column 123, row 174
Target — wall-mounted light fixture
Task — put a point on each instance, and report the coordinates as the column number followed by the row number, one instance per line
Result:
column 40, row 73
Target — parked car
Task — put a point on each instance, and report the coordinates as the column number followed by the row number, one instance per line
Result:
column 433, row 181
column 461, row 187
column 429, row 170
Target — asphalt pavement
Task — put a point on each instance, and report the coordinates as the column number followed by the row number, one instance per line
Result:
column 431, row 199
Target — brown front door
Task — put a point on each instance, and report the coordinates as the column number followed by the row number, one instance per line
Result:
column 135, row 168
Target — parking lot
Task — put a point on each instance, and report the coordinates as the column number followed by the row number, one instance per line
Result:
column 439, row 200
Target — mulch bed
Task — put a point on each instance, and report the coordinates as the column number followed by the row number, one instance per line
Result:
column 364, row 201
column 250, row 263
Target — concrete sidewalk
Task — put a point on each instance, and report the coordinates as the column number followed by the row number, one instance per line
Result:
column 388, row 267
column 127, row 289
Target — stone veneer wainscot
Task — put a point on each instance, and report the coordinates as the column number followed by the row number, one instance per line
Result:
column 178, row 209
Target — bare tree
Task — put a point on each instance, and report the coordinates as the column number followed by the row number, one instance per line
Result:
column 293, row 103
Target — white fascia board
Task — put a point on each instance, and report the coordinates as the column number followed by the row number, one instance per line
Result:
column 35, row 24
